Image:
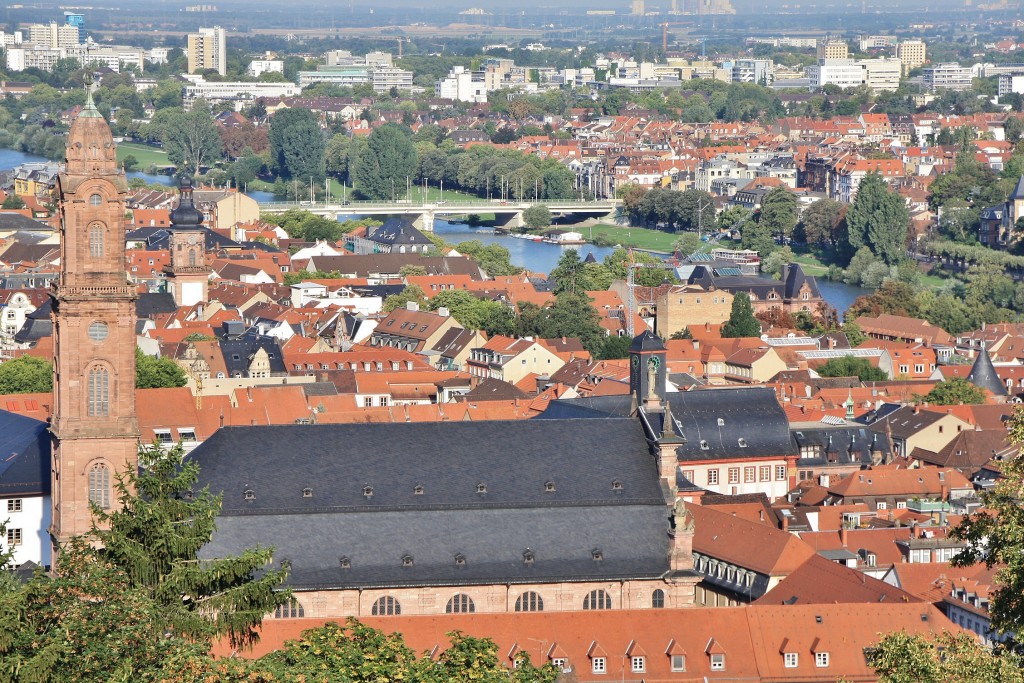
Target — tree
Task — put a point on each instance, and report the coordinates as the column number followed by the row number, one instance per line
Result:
column 854, row 334
column 687, row 243
column 410, row 294
column 851, row 366
column 955, row 391
column 154, row 536
column 949, row 658
column 191, row 140
column 26, row 375
column 780, row 212
column 614, row 346
column 757, row 236
column 130, row 163
column 569, row 275
column 572, row 315
column 386, row 163
column 537, row 216
column 893, row 297
column 297, row 145
column 155, row 373
column 879, row 219
column 13, row 201
column 820, row 222
column 493, row 259
column 741, row 322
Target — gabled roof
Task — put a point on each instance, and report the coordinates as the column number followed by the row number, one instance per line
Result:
column 822, row 581
column 757, row 547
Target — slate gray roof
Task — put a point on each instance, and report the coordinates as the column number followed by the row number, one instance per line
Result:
column 513, row 460
column 398, row 231
column 983, row 374
column 25, row 465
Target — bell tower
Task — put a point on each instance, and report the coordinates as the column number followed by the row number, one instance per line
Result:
column 188, row 276
column 94, row 430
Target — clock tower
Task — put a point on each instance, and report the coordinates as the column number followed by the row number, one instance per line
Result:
column 188, row 276
column 647, row 372
column 94, row 430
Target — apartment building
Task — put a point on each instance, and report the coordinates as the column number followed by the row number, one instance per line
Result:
column 208, row 50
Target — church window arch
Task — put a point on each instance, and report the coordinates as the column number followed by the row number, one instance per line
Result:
column 460, row 603
column 96, row 239
column 530, row 601
column 658, row 598
column 192, row 259
column 386, row 606
column 597, row 599
column 98, row 391
column 95, row 199
column 99, row 485
column 290, row 610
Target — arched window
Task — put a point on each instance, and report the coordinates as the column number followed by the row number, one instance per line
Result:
column 529, row 602
column 386, row 607
column 658, row 598
column 597, row 599
column 192, row 258
column 290, row 610
column 99, row 485
column 460, row 604
column 96, row 240
column 99, row 392
column 95, row 199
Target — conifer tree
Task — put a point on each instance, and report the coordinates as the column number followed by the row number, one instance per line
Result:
column 741, row 322
column 155, row 538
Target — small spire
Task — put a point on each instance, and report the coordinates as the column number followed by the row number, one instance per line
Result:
column 89, row 110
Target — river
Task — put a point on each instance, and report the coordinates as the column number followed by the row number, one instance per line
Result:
column 536, row 256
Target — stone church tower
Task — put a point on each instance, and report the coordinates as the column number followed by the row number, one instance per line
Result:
column 187, row 276
column 95, row 432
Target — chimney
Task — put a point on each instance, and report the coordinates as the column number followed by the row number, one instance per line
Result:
column 785, row 523
column 844, row 536
column 443, row 311
column 412, row 306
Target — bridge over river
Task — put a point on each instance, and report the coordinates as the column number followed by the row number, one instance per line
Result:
column 507, row 213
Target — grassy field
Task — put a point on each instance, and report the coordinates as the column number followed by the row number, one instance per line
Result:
column 641, row 238
column 146, row 155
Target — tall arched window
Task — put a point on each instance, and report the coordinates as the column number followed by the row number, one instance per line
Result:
column 460, row 604
column 99, row 485
column 658, row 598
column 386, row 607
column 530, row 602
column 597, row 599
column 290, row 610
column 192, row 258
column 96, row 240
column 99, row 392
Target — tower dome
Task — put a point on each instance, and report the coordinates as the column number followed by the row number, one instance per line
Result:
column 91, row 146
column 186, row 216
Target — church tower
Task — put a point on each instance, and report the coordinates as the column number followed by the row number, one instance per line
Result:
column 188, row 276
column 94, row 429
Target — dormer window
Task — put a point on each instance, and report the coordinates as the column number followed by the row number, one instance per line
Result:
column 549, row 487
column 250, row 494
column 596, row 554
column 481, row 488
column 528, row 557
column 742, row 442
column 704, row 445
column 367, row 492
column 721, row 422
column 460, row 560
column 406, row 560
column 417, row 490
column 344, row 562
column 307, row 492
column 616, row 485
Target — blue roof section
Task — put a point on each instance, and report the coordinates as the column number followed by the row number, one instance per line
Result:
column 25, row 459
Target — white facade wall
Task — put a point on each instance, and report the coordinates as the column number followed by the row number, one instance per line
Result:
column 844, row 73
column 733, row 477
column 32, row 520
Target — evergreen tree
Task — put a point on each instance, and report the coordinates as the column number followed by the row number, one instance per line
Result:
column 878, row 219
column 741, row 322
column 154, row 536
column 386, row 163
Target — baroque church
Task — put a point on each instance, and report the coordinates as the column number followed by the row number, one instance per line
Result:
column 575, row 511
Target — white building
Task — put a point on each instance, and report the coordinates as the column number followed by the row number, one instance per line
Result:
column 949, row 75
column 29, row 56
column 258, row 67
column 114, row 57
column 882, row 74
column 25, row 489
column 53, row 35
column 236, row 92
column 753, row 71
column 383, row 78
column 1009, row 83
column 462, row 85
column 844, row 73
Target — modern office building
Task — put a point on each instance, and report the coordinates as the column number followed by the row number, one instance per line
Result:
column 911, row 53
column 949, row 76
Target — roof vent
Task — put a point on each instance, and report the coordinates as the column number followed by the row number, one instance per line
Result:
column 344, row 562
column 481, row 488
column 417, row 490
column 406, row 560
column 528, row 556
column 742, row 442
column 307, row 492
column 597, row 554
column 721, row 422
column 817, row 619
column 616, row 485
column 367, row 492
column 549, row 486
column 460, row 560
column 704, row 445
column 250, row 494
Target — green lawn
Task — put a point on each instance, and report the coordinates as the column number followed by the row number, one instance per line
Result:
column 641, row 238
column 146, row 155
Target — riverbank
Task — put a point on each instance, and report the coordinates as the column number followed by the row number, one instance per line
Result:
column 146, row 155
